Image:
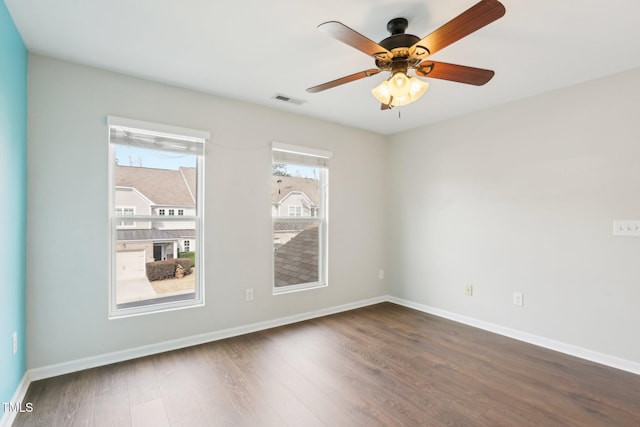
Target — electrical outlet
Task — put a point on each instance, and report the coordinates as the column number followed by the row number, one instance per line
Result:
column 518, row 299
column 248, row 294
column 468, row 290
column 14, row 340
column 381, row 274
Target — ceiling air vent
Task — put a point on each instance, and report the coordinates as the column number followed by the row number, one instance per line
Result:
column 287, row 99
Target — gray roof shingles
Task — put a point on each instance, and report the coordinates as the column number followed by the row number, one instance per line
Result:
column 164, row 187
column 155, row 234
column 296, row 261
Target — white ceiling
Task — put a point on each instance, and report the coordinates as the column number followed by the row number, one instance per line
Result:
column 253, row 49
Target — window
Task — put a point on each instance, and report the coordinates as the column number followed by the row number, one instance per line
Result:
column 295, row 210
column 153, row 164
column 122, row 211
column 180, row 212
column 187, row 243
column 299, row 180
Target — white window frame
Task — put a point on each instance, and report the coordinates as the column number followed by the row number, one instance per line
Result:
column 297, row 210
column 123, row 222
column 157, row 137
column 304, row 156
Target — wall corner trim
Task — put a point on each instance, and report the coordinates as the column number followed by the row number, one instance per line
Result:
column 147, row 350
column 8, row 417
column 582, row 353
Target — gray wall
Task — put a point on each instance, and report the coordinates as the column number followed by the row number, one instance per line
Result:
column 67, row 218
column 516, row 198
column 522, row 198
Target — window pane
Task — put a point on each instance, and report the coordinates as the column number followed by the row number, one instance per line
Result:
column 123, row 222
column 151, row 265
column 298, row 225
column 155, row 249
column 296, row 252
column 149, row 181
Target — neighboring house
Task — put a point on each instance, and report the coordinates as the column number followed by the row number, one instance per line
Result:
column 171, row 193
column 295, row 241
column 148, row 191
column 292, row 196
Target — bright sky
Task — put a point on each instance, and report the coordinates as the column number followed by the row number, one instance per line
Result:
column 140, row 157
column 302, row 171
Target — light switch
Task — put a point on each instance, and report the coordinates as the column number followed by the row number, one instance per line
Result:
column 626, row 228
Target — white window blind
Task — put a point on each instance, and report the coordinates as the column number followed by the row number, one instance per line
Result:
column 302, row 156
column 137, row 133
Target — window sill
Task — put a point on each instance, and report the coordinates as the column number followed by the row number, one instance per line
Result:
column 158, row 305
column 297, row 288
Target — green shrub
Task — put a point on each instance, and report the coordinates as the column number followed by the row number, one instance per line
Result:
column 191, row 255
column 160, row 270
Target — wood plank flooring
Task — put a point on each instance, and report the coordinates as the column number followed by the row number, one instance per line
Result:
column 383, row 365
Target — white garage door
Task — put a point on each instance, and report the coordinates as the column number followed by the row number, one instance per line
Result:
column 130, row 265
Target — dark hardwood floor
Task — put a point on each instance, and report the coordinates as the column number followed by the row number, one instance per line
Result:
column 383, row 365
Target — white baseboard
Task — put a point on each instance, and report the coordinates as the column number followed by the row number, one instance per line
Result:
column 133, row 353
column 120, row 356
column 18, row 397
column 593, row 356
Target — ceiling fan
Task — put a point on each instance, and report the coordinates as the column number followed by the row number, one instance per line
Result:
column 401, row 52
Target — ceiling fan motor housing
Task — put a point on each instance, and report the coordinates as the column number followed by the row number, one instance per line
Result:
column 398, row 38
column 397, row 43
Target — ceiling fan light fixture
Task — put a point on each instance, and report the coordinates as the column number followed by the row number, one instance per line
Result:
column 382, row 93
column 399, row 84
column 400, row 89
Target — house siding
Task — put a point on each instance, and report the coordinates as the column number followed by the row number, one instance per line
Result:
column 130, row 197
column 296, row 199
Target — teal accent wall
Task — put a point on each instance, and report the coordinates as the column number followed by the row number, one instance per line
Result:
column 13, row 204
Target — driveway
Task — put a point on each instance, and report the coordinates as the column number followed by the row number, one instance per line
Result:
column 138, row 289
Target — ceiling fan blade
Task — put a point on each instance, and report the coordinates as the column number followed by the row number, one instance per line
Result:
column 346, row 35
column 454, row 73
column 385, row 107
column 474, row 18
column 343, row 80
